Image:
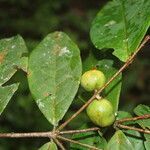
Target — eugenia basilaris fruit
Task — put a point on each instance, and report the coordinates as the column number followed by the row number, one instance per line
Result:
column 100, row 111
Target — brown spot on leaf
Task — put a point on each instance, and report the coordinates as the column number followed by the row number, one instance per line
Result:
column 57, row 35
column 47, row 94
column 56, row 50
column 29, row 73
column 2, row 56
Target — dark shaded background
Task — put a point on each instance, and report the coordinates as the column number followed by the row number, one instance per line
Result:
column 34, row 20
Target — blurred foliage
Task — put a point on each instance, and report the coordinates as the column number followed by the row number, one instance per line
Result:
column 34, row 20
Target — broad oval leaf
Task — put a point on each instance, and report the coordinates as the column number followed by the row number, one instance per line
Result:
column 5, row 95
column 119, row 142
column 49, row 146
column 11, row 51
column 112, row 92
column 121, row 25
column 54, row 75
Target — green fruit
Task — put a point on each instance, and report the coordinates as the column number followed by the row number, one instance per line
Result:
column 92, row 80
column 101, row 112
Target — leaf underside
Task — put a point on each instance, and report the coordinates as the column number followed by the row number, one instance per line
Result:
column 54, row 75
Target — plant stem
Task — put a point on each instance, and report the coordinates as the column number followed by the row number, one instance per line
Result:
column 28, row 135
column 79, row 131
column 51, row 134
column 76, row 142
column 147, row 38
column 56, row 133
column 119, row 124
column 59, row 144
column 133, row 119
column 133, row 128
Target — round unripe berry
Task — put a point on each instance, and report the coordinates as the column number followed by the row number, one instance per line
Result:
column 101, row 112
column 92, row 80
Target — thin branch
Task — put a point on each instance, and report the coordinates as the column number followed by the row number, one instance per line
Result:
column 119, row 124
column 147, row 38
column 79, row 131
column 76, row 114
column 76, row 142
column 59, row 144
column 133, row 119
column 52, row 134
column 28, row 135
column 133, row 128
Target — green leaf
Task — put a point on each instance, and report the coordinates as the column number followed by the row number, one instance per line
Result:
column 123, row 114
column 119, row 142
column 147, row 145
column 49, row 146
column 90, row 62
column 54, row 75
column 91, row 138
column 23, row 64
column 11, row 51
column 143, row 110
column 121, row 25
column 112, row 92
column 5, row 95
column 147, row 136
column 147, row 142
column 136, row 139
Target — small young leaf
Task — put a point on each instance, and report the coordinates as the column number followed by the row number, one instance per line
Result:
column 143, row 110
column 112, row 92
column 5, row 95
column 136, row 139
column 54, row 75
column 119, row 142
column 11, row 51
column 91, row 138
column 121, row 25
column 49, row 146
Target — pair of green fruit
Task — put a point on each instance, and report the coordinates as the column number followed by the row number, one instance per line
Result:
column 100, row 111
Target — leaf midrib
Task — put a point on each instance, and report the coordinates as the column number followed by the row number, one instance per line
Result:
column 125, row 27
column 54, row 113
